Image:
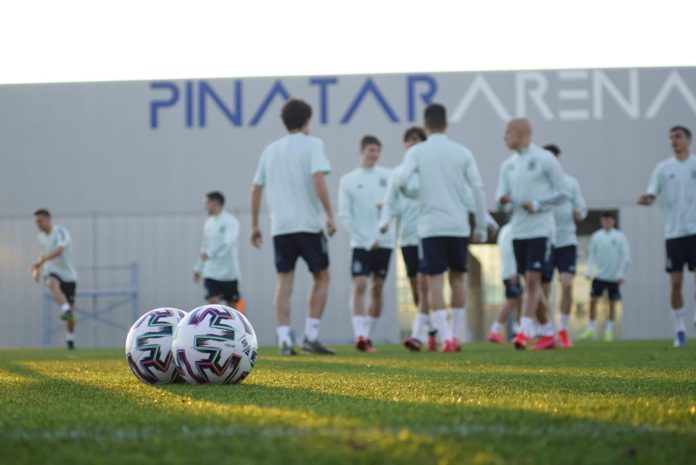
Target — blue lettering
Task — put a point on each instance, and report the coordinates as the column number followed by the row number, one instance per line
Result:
column 277, row 89
column 370, row 87
column 188, row 109
column 205, row 91
column 155, row 105
column 425, row 96
column 323, row 96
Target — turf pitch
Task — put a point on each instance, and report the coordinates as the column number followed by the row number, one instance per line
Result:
column 626, row 402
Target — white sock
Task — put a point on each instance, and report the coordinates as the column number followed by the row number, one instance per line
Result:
column 495, row 327
column 311, row 328
column 565, row 319
column 458, row 318
column 370, row 323
column 591, row 325
column 359, row 326
column 430, row 326
column 610, row 327
column 439, row 318
column 65, row 307
column 419, row 322
column 526, row 326
column 283, row 333
column 547, row 329
column 679, row 316
column 70, row 337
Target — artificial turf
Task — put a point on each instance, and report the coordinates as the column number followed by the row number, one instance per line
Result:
column 625, row 402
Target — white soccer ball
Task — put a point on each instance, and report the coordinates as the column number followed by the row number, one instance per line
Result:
column 149, row 346
column 214, row 344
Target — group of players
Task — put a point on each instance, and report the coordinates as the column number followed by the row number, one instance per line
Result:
column 428, row 198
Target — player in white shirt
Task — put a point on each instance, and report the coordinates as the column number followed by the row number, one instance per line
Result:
column 57, row 266
column 218, row 261
column 533, row 182
column 511, row 281
column 361, row 194
column 564, row 254
column 608, row 258
column 445, row 170
column 292, row 172
column 673, row 183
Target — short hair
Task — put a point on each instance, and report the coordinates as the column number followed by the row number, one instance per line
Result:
column 417, row 131
column 42, row 212
column 553, row 148
column 608, row 214
column 295, row 114
column 683, row 129
column 435, row 116
column 216, row 196
column 369, row 140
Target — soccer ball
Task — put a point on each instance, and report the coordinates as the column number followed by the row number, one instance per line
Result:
column 214, row 344
column 149, row 344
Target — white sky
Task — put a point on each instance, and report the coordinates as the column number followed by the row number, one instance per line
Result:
column 80, row 40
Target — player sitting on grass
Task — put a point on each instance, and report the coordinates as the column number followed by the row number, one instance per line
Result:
column 511, row 281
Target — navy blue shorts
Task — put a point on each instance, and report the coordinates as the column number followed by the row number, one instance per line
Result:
column 310, row 246
column 68, row 288
column 531, row 254
column 371, row 262
column 547, row 271
column 565, row 258
column 680, row 252
column 512, row 291
column 411, row 260
column 444, row 253
column 226, row 290
column 599, row 286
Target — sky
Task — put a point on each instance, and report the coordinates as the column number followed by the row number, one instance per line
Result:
column 105, row 40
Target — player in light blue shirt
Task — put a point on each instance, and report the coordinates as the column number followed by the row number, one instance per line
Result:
column 511, row 281
column 607, row 260
column 57, row 266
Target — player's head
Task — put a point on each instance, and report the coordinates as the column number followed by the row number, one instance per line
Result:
column 370, row 150
column 296, row 114
column 414, row 135
column 518, row 134
column 435, row 118
column 42, row 218
column 214, row 202
column 680, row 139
column 607, row 220
column 553, row 148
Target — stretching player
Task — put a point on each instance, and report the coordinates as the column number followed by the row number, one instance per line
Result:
column 292, row 170
column 533, row 183
column 58, row 266
column 218, row 261
column 608, row 258
column 674, row 183
column 405, row 210
column 511, row 281
column 564, row 254
column 445, row 170
column 360, row 196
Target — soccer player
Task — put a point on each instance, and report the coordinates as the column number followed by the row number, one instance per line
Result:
column 218, row 262
column 360, row 201
column 511, row 281
column 564, row 253
column 674, row 183
column 532, row 181
column 292, row 171
column 445, row 170
column 608, row 258
column 57, row 265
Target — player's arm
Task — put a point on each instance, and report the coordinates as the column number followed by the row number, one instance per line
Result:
column 408, row 171
column 626, row 258
column 200, row 262
column 654, row 188
column 503, row 192
column 44, row 258
column 256, row 194
column 322, row 191
column 579, row 204
column 473, row 178
column 390, row 207
column 591, row 250
column 561, row 194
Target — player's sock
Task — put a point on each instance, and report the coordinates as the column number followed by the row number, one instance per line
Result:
column 495, row 327
column 565, row 319
column 311, row 329
column 526, row 326
column 458, row 318
column 65, row 307
column 679, row 316
column 591, row 325
column 610, row 327
column 370, row 323
column 419, row 322
column 547, row 329
column 359, row 326
column 440, row 321
column 284, row 336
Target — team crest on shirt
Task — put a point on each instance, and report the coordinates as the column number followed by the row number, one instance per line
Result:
column 222, row 229
column 531, row 165
column 382, row 182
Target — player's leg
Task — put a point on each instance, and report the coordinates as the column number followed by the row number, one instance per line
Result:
column 513, row 292
column 360, row 269
column 677, row 258
column 566, row 280
column 313, row 250
column 421, row 321
column 286, row 254
column 457, row 253
column 379, row 268
column 69, row 290
column 595, row 293
column 609, row 328
column 546, row 339
column 434, row 266
column 531, row 256
column 54, row 284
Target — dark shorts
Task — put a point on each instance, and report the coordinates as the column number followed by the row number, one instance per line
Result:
column 680, row 252
column 371, row 262
column 310, row 246
column 531, row 254
column 226, row 290
column 512, row 291
column 547, row 271
column 443, row 253
column 411, row 260
column 563, row 259
column 68, row 288
column 612, row 288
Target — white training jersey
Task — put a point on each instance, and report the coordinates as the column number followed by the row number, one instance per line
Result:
column 63, row 265
column 449, row 177
column 508, row 263
column 564, row 215
column 285, row 171
column 221, row 244
column 608, row 255
column 532, row 175
column 361, row 195
column 673, row 182
column 404, row 209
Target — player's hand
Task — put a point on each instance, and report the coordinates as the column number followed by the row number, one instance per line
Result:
column 529, row 207
column 196, row 278
column 204, row 256
column 256, row 238
column 493, row 231
column 330, row 227
column 621, row 281
column 480, row 236
column 375, row 245
column 588, row 277
column 384, row 229
column 513, row 280
column 504, row 200
column 36, row 274
column 646, row 199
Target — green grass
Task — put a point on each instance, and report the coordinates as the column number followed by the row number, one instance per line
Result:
column 626, row 402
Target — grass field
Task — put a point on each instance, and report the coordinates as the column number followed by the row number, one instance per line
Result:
column 626, row 402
